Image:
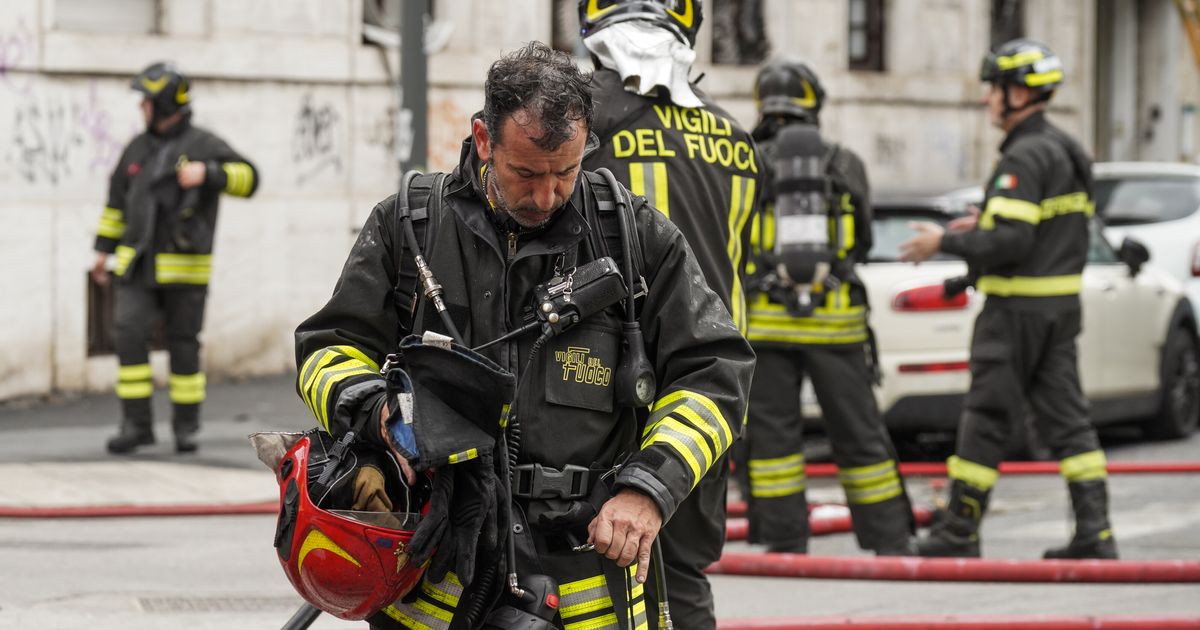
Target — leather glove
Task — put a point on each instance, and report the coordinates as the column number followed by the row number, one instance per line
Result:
column 370, row 491
column 953, row 286
column 463, row 520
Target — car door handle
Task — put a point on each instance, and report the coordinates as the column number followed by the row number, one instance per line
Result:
column 1108, row 287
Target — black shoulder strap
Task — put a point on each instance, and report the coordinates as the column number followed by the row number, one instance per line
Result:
column 424, row 203
column 606, row 238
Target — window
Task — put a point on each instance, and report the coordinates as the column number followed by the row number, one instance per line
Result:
column 1099, row 249
column 1008, row 21
column 866, row 35
column 108, row 16
column 1146, row 200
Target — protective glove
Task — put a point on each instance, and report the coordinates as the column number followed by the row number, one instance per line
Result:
column 370, row 491
column 953, row 286
column 462, row 522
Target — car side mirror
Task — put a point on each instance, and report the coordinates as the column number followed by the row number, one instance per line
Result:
column 1134, row 254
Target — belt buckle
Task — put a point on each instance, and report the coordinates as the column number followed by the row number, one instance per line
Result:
column 535, row 481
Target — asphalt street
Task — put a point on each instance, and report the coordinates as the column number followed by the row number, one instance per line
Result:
column 220, row 572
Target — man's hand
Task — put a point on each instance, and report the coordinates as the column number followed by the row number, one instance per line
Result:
column 625, row 529
column 925, row 244
column 99, row 269
column 191, row 175
column 410, row 476
column 967, row 223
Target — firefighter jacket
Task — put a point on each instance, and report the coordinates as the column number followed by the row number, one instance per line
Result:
column 488, row 267
column 161, row 234
column 697, row 166
column 1031, row 242
column 840, row 317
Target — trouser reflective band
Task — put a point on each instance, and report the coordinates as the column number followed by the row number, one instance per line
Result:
column 182, row 268
column 975, row 475
column 134, row 381
column 1084, row 467
column 187, row 389
column 434, row 607
column 587, row 605
column 871, row 484
column 777, row 477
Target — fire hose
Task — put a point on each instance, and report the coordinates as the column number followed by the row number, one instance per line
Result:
column 960, row 622
column 823, row 520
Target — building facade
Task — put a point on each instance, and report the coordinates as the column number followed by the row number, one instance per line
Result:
column 307, row 90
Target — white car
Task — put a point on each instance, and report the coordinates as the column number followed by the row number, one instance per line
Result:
column 1158, row 203
column 1139, row 356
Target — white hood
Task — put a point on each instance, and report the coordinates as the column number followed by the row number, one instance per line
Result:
column 647, row 57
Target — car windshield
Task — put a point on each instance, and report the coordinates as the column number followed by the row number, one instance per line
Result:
column 890, row 229
column 1136, row 201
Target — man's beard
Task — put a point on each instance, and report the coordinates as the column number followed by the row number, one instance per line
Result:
column 526, row 217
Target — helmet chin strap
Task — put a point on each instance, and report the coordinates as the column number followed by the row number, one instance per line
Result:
column 1009, row 110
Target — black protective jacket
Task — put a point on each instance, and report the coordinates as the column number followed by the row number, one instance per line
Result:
column 695, row 165
column 1031, row 242
column 160, row 233
column 567, row 411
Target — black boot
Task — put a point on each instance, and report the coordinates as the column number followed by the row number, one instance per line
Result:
column 186, row 423
column 137, row 427
column 1093, row 534
column 955, row 534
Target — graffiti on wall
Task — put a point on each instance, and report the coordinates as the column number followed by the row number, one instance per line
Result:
column 54, row 137
column 314, row 141
column 15, row 48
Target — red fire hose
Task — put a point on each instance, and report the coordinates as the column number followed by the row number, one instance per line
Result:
column 102, row 511
column 1024, row 468
column 1016, row 622
column 955, row 569
column 819, row 524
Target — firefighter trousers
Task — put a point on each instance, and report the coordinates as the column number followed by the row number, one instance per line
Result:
column 775, row 467
column 137, row 308
column 1020, row 356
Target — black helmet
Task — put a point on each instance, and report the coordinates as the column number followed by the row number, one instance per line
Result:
column 681, row 17
column 166, row 87
column 788, row 88
column 1023, row 62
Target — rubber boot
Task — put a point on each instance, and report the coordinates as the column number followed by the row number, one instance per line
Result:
column 137, row 427
column 955, row 534
column 798, row 541
column 186, row 423
column 1093, row 534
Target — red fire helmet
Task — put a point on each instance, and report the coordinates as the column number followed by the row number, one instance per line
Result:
column 348, row 563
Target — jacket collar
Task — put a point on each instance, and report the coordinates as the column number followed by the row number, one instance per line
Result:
column 1036, row 123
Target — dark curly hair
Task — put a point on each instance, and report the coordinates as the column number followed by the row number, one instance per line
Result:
column 547, row 85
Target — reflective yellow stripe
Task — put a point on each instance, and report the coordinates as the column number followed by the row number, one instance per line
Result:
column 182, row 268
column 124, row 255
column 466, row 455
column 112, row 223
column 970, row 473
column 741, row 205
column 187, row 389
column 586, row 597
column 657, row 192
column 141, row 389
column 1030, row 286
column 239, row 178
column 134, row 372
column 1087, row 466
column 1067, row 204
column 1007, row 208
column 874, row 483
column 1022, row 58
column 319, row 376
column 1042, row 78
column 777, row 477
column 704, row 406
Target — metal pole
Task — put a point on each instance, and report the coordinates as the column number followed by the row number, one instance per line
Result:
column 411, row 124
column 303, row 617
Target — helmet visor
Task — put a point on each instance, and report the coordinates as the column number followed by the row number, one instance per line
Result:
column 406, row 521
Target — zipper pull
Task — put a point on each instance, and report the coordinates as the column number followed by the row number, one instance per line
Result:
column 512, row 245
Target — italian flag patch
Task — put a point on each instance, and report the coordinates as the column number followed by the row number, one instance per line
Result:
column 1005, row 182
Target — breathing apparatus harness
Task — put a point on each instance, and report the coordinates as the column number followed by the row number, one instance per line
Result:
column 566, row 299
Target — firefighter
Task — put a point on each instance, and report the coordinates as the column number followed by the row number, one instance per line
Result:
column 667, row 140
column 815, row 326
column 517, row 212
column 159, row 223
column 1028, row 248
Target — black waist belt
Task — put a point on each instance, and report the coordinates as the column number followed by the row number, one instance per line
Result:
column 535, row 481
